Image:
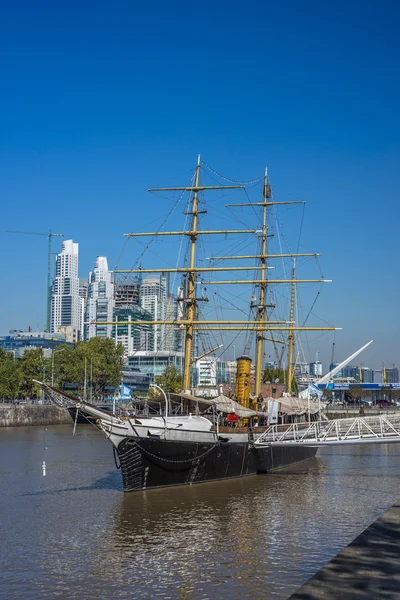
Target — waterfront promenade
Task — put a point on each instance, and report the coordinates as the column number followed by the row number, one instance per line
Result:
column 367, row 569
column 14, row 415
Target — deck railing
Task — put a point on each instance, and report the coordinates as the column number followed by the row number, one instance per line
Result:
column 339, row 431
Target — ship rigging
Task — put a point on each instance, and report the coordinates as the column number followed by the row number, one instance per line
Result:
column 262, row 322
column 194, row 445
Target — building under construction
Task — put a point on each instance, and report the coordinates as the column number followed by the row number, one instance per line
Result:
column 127, row 291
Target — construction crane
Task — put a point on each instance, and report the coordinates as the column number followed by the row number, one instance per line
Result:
column 49, row 235
column 332, row 356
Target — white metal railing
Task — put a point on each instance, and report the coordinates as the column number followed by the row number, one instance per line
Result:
column 339, row 431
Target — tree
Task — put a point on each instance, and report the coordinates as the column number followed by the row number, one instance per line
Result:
column 64, row 365
column 104, row 362
column 170, row 380
column 9, row 375
column 33, row 365
column 271, row 375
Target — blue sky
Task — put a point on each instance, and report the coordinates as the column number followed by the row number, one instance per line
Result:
column 102, row 100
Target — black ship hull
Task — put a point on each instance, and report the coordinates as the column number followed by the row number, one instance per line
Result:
column 150, row 463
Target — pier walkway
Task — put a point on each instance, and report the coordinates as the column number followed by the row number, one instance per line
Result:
column 367, row 569
column 361, row 430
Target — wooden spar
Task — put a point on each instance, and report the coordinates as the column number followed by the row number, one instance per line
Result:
column 187, row 321
column 259, row 256
column 247, row 281
column 190, row 322
column 187, row 270
column 270, row 203
column 193, row 231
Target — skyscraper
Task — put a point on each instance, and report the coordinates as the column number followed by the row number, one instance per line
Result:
column 83, row 292
column 65, row 301
column 153, row 292
column 100, row 300
column 169, row 313
column 127, row 290
column 132, row 337
column 392, row 375
column 316, row 369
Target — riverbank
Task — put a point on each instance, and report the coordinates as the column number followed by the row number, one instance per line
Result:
column 368, row 568
column 12, row 415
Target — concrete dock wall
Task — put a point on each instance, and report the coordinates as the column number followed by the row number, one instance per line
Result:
column 367, row 569
column 12, row 415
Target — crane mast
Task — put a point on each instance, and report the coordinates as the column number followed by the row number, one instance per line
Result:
column 49, row 235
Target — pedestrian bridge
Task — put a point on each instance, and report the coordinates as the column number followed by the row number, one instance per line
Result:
column 360, row 430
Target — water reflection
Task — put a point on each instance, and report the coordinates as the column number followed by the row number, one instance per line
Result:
column 75, row 534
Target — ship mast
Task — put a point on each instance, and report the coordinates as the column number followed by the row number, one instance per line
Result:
column 263, row 290
column 291, row 335
column 190, row 321
column 191, row 297
column 191, row 271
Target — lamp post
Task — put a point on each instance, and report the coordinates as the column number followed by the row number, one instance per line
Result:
column 165, row 396
column 52, row 364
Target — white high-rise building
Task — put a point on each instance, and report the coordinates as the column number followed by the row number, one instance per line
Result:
column 180, row 331
column 169, row 312
column 100, row 300
column 83, row 291
column 153, row 292
column 206, row 371
column 231, row 369
column 316, row 369
column 65, row 301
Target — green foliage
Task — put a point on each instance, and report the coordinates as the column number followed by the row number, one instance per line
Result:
column 295, row 387
column 63, row 366
column 271, row 375
column 170, row 380
column 33, row 365
column 9, row 375
column 66, row 366
column 103, row 365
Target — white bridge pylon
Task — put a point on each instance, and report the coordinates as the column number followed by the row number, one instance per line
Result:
column 360, row 430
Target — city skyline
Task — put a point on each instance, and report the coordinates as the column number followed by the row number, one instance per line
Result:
column 90, row 126
column 153, row 300
column 70, row 250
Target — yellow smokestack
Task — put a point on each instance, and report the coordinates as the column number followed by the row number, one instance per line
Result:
column 243, row 380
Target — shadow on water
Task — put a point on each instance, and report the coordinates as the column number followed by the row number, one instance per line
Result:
column 112, row 481
column 367, row 569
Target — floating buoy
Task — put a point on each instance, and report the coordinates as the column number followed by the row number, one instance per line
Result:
column 44, row 468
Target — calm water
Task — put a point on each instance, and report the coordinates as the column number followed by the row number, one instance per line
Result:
column 75, row 534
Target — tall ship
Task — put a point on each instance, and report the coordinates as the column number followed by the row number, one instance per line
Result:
column 181, row 439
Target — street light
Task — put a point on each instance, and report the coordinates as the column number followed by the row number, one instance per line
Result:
column 165, row 396
column 52, row 364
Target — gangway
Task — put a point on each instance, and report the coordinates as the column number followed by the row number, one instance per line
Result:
column 359, row 430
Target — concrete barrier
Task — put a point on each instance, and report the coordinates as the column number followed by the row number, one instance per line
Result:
column 367, row 569
column 12, row 415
